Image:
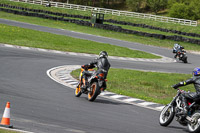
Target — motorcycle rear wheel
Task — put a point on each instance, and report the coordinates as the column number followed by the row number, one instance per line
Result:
column 78, row 91
column 185, row 60
column 94, row 91
column 194, row 127
column 166, row 115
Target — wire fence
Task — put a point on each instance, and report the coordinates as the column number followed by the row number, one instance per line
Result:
column 113, row 12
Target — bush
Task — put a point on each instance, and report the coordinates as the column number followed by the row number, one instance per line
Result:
column 194, row 5
column 181, row 10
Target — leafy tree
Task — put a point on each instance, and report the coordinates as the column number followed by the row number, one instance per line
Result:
column 157, row 5
column 180, row 10
column 195, row 7
column 134, row 5
column 186, row 9
column 172, row 2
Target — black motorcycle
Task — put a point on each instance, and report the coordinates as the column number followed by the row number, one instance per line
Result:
column 175, row 108
column 95, row 84
column 182, row 56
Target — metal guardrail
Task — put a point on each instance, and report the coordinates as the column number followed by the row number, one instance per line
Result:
column 113, row 12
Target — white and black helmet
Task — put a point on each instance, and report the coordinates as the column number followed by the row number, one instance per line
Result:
column 103, row 54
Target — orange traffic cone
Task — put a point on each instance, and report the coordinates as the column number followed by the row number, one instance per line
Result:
column 6, row 116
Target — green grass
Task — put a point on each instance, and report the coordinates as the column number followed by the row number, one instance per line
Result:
column 99, row 32
column 7, row 131
column 32, row 38
column 149, row 86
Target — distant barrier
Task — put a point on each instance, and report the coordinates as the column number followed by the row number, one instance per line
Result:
column 113, row 12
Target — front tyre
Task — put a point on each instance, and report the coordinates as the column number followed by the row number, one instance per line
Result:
column 78, row 91
column 94, row 91
column 166, row 115
column 194, row 126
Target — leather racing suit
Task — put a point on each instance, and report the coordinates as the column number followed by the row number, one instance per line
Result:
column 102, row 65
column 190, row 95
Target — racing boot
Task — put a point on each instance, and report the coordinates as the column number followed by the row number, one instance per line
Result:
column 185, row 107
column 84, row 86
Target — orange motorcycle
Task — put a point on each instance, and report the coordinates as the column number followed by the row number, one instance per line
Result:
column 95, row 84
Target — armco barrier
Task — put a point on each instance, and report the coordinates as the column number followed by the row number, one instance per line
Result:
column 109, row 20
column 102, row 26
column 113, row 12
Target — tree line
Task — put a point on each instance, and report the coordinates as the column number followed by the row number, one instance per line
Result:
column 186, row 9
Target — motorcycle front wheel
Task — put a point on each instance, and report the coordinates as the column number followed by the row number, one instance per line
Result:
column 166, row 115
column 78, row 91
column 94, row 91
column 194, row 126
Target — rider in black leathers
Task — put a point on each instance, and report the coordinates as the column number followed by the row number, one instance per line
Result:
column 102, row 65
column 190, row 95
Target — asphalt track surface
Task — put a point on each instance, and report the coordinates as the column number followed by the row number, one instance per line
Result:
column 39, row 104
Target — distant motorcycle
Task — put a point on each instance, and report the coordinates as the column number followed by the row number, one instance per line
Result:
column 175, row 108
column 181, row 54
column 96, row 84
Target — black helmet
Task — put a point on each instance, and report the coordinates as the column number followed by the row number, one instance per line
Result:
column 103, row 54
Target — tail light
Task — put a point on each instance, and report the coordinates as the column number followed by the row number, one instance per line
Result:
column 101, row 75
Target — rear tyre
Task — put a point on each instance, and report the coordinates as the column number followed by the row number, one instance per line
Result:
column 78, row 91
column 185, row 59
column 194, row 127
column 94, row 91
column 166, row 115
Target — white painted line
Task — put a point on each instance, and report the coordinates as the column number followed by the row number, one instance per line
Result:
column 146, row 103
column 72, row 53
column 131, row 100
column 69, row 80
column 6, row 45
column 72, row 83
column 117, row 96
column 17, row 130
column 43, row 50
column 113, row 96
column 160, row 108
column 106, row 93
column 64, row 78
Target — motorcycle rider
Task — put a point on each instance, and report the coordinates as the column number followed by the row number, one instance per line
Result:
column 102, row 65
column 177, row 47
column 191, row 95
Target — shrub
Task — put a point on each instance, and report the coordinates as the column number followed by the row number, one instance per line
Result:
column 180, row 10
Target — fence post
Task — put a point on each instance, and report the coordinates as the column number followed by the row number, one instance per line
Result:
column 190, row 23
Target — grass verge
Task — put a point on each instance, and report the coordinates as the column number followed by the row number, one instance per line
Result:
column 149, row 86
column 99, row 32
column 7, row 131
column 32, row 38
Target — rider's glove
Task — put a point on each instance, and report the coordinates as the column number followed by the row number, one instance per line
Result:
column 85, row 66
column 175, row 86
